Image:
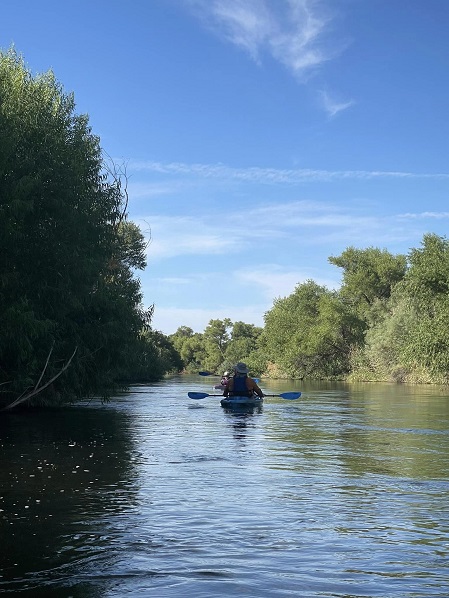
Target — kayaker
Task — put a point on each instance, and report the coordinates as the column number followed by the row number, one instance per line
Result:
column 241, row 385
column 224, row 379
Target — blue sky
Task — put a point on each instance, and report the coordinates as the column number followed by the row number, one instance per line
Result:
column 260, row 137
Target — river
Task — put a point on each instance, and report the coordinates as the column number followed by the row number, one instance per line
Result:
column 343, row 493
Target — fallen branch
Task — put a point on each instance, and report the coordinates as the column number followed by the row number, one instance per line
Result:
column 45, row 367
column 37, row 390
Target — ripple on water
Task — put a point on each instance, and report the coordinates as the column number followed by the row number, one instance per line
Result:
column 339, row 494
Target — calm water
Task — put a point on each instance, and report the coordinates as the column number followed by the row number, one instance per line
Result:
column 341, row 494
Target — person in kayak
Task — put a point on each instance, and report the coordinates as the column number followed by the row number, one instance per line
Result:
column 224, row 379
column 241, row 385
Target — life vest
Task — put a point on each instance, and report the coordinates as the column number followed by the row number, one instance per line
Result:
column 239, row 388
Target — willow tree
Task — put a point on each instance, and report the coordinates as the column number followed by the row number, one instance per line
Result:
column 369, row 276
column 243, row 346
column 310, row 333
column 216, row 339
column 67, row 290
column 425, row 289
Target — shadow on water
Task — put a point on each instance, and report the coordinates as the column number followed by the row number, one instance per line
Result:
column 62, row 473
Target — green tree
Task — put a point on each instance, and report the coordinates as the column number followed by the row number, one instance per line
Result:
column 310, row 333
column 68, row 253
column 426, row 290
column 407, row 340
column 154, row 355
column 242, row 345
column 180, row 336
column 216, row 339
column 368, row 275
column 381, row 356
column 190, row 346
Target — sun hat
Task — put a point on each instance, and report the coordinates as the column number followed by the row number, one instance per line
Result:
column 241, row 368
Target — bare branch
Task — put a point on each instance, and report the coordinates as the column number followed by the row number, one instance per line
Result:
column 36, row 390
column 45, row 367
column 119, row 175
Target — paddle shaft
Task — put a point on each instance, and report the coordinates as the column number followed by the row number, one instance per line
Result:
column 283, row 395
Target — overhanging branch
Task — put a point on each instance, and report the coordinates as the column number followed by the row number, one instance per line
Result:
column 36, row 390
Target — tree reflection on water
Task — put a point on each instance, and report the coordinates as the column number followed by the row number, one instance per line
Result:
column 62, row 472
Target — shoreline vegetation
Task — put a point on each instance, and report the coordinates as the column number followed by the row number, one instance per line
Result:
column 389, row 322
column 72, row 321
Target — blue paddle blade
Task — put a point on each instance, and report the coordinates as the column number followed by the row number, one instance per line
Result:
column 291, row 396
column 198, row 395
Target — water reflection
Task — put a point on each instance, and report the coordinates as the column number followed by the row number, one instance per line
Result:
column 61, row 471
column 342, row 493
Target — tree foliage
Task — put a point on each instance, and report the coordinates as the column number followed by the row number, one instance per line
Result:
column 190, row 346
column 221, row 345
column 426, row 290
column 153, row 356
column 216, row 339
column 310, row 333
column 68, row 252
column 368, row 275
column 407, row 341
column 389, row 321
column 243, row 346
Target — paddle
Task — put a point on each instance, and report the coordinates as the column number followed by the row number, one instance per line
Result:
column 291, row 396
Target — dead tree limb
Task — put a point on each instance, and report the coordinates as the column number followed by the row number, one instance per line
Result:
column 36, row 390
column 45, row 367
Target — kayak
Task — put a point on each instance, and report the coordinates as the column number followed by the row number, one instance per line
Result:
column 241, row 401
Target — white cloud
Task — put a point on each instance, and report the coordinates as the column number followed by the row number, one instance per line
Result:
column 271, row 176
column 423, row 215
column 266, row 282
column 292, row 31
column 332, row 106
column 173, row 280
column 172, row 236
column 277, row 281
column 146, row 190
column 295, row 33
column 168, row 320
column 298, row 223
column 245, row 23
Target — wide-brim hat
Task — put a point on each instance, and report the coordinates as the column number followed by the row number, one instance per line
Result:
column 241, row 368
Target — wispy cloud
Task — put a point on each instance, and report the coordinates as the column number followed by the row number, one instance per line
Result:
column 173, row 280
column 147, row 190
column 271, row 176
column 303, row 223
column 295, row 33
column 172, row 236
column 291, row 31
column 301, row 219
column 332, row 106
column 267, row 281
column 278, row 281
column 310, row 231
column 424, row 215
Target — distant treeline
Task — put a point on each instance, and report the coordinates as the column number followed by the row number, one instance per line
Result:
column 72, row 322
column 388, row 322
